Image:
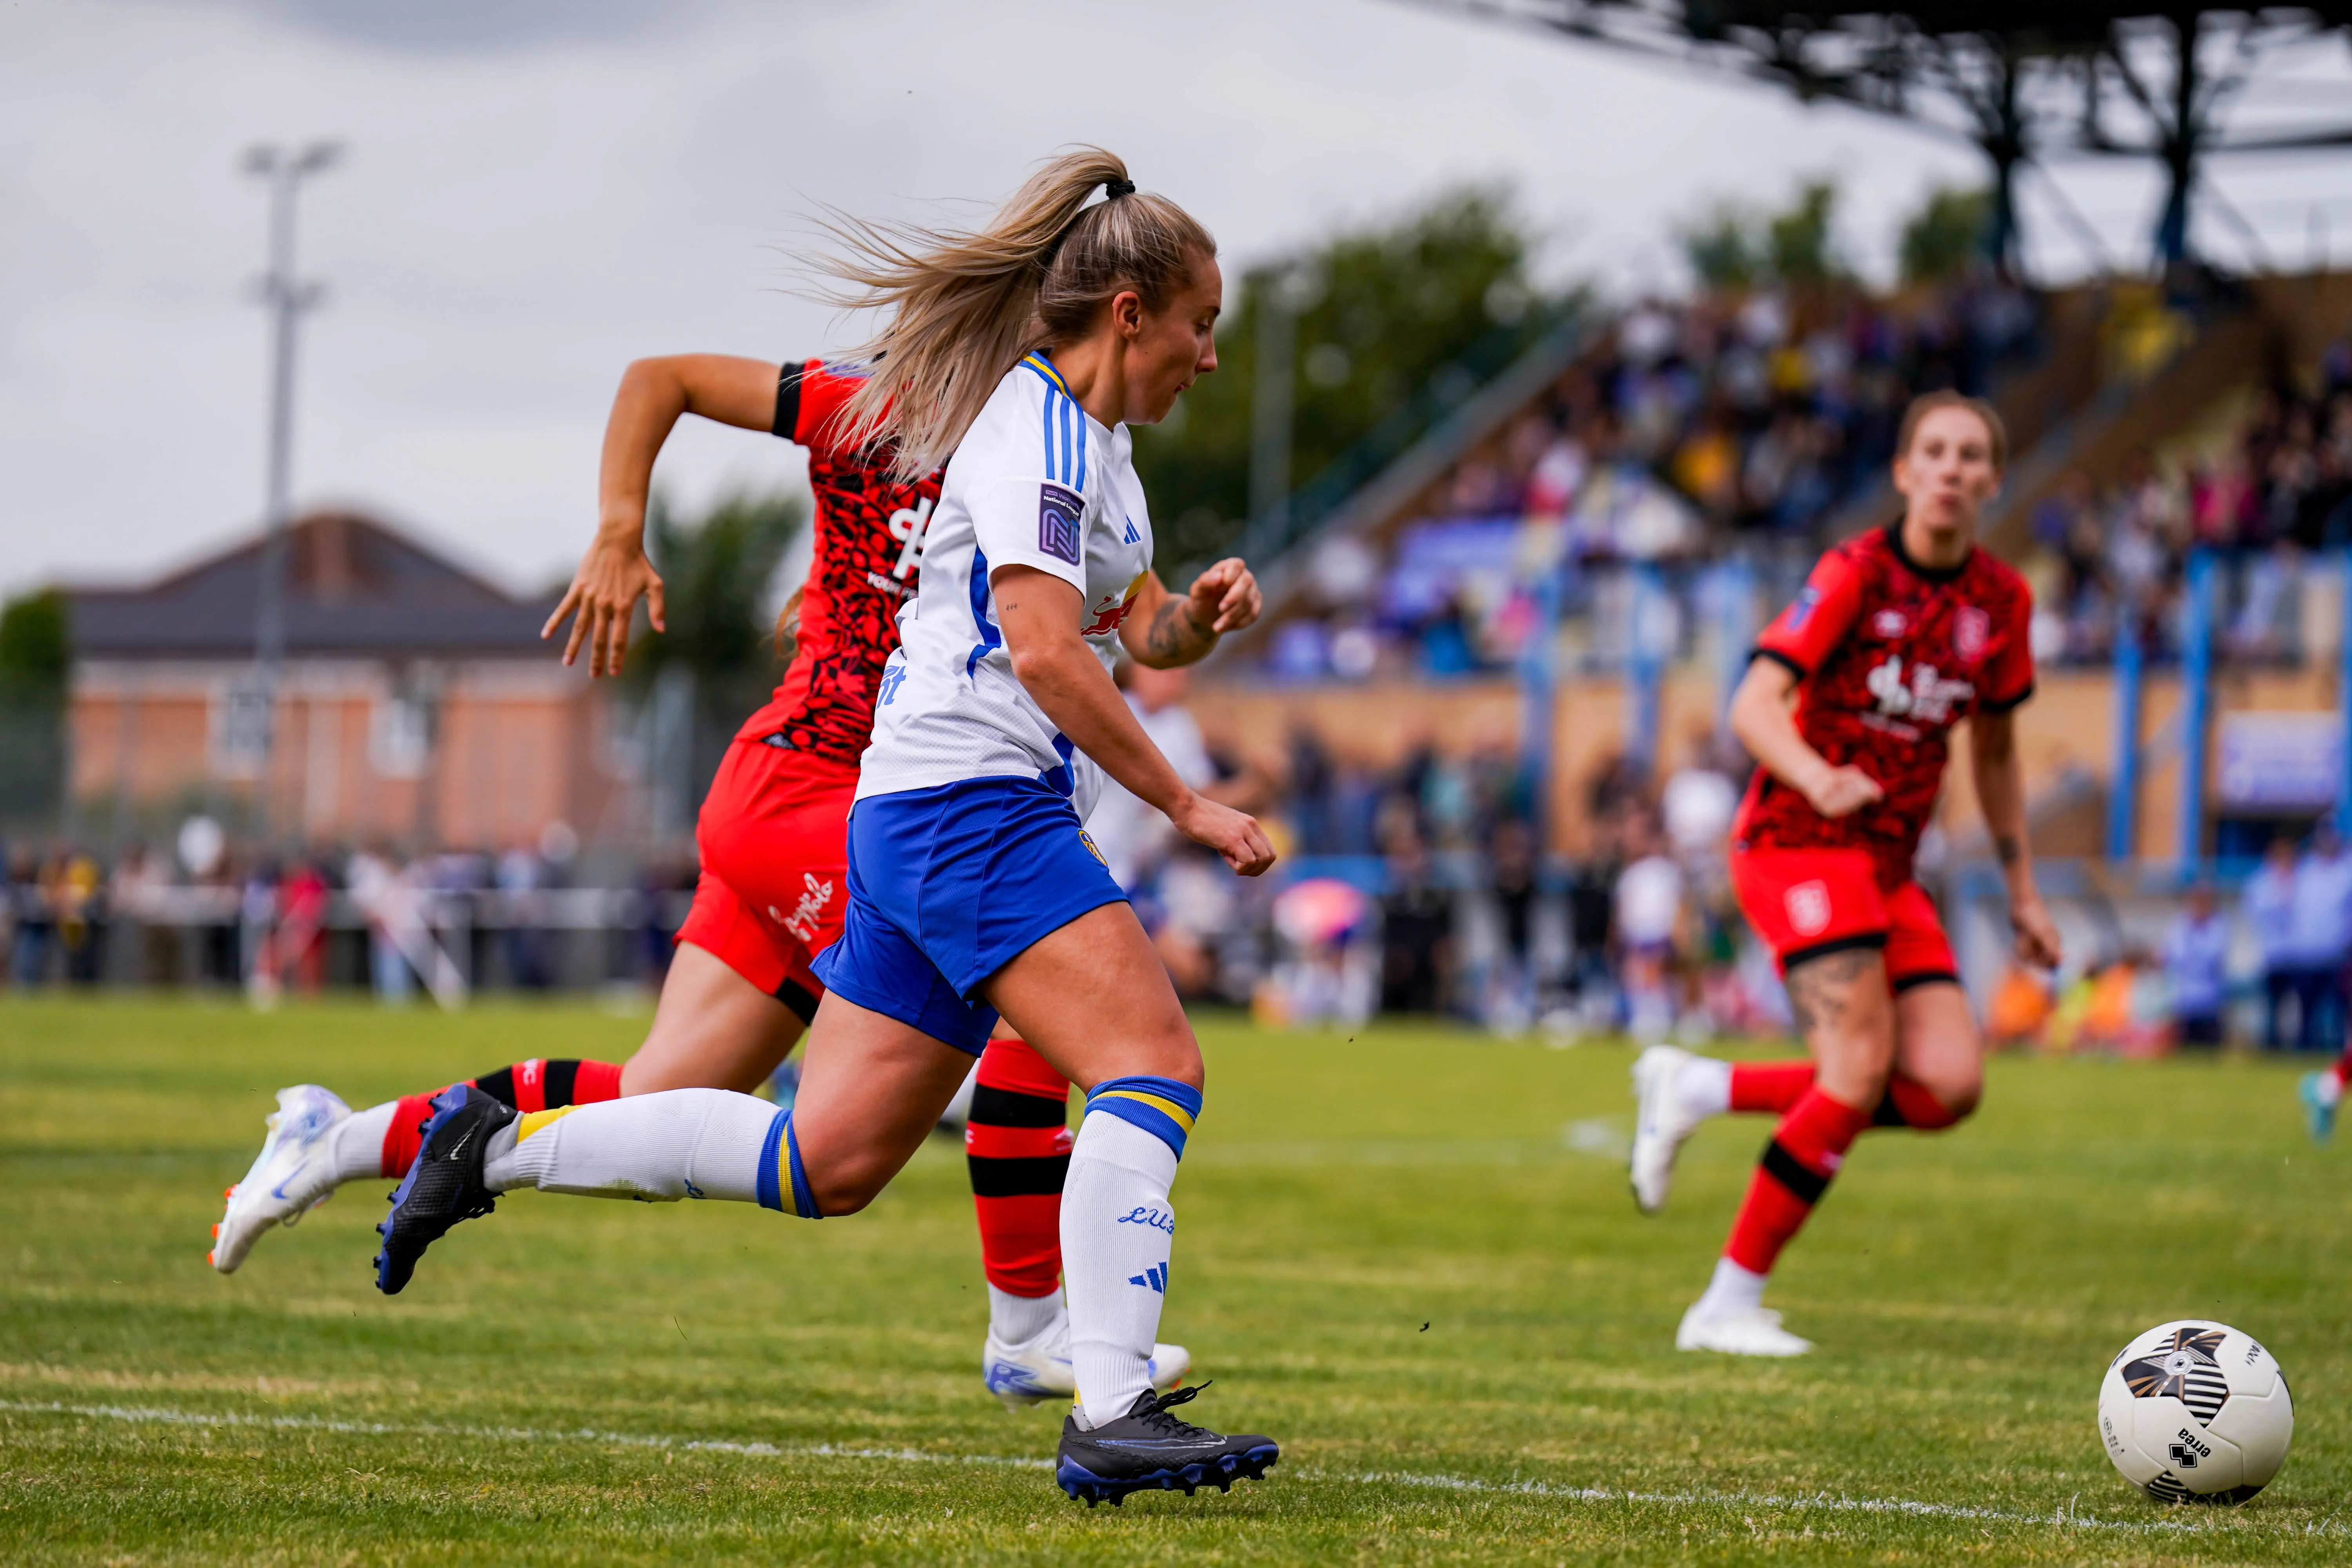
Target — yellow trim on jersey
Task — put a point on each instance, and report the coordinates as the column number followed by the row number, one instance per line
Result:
column 1168, row 1108
column 532, row 1121
column 1042, row 363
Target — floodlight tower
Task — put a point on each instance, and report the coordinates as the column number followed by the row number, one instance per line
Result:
column 287, row 296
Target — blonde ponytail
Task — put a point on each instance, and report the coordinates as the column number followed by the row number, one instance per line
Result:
column 966, row 306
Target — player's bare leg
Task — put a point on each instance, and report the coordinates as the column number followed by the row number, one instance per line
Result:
column 1847, row 1015
column 711, row 1029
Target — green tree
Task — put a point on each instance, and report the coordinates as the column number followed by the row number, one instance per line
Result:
column 1735, row 246
column 1381, row 310
column 1722, row 250
column 35, row 656
column 1945, row 234
column 721, row 627
column 1798, row 237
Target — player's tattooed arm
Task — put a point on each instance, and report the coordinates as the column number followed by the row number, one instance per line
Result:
column 1169, row 628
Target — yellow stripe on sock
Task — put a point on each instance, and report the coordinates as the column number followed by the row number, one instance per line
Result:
column 1168, row 1108
column 533, row 1121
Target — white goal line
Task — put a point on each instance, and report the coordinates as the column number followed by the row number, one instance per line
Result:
column 2066, row 1518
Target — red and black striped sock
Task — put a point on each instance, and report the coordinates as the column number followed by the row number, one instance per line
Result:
column 1775, row 1087
column 1805, row 1152
column 1017, row 1142
column 533, row 1085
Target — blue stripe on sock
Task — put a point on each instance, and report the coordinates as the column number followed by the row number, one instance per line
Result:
column 1131, row 1101
column 803, row 1200
column 770, row 1189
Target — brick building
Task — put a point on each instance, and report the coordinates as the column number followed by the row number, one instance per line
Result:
column 418, row 703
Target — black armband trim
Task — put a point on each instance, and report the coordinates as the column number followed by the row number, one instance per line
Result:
column 1041, row 1175
column 1782, row 660
column 1924, row 978
column 1806, row 1187
column 1870, row 938
column 2005, row 704
column 788, row 399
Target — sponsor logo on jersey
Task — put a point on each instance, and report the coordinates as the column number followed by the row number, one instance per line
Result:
column 1058, row 521
column 1808, row 904
column 1112, row 612
column 909, row 525
column 1971, row 630
column 1923, row 696
column 1889, row 622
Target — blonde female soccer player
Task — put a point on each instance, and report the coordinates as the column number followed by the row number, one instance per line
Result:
column 1848, row 706
column 1019, row 354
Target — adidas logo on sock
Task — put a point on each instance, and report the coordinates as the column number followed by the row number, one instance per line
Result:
column 1155, row 1276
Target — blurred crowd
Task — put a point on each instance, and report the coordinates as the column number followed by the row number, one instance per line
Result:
column 2274, row 489
column 1685, row 427
column 212, row 912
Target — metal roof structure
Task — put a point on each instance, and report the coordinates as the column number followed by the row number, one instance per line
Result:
column 2023, row 82
column 355, row 588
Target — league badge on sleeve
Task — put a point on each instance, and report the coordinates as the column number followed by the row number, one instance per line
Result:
column 1058, row 521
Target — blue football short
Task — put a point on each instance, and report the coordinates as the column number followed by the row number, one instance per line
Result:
column 946, row 886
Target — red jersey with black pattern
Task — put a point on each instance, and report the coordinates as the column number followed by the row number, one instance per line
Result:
column 1889, row 656
column 867, row 551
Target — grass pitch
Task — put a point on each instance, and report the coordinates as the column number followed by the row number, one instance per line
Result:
column 1410, row 1256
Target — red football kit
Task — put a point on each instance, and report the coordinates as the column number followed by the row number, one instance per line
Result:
column 1889, row 656
column 773, row 832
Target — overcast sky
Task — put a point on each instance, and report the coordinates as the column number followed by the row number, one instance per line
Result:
column 537, row 191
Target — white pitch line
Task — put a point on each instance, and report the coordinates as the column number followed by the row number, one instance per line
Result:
column 1821, row 1503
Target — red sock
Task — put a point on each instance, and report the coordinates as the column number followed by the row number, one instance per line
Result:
column 1908, row 1104
column 2343, row 1069
column 1017, row 1144
column 533, row 1085
column 1770, row 1086
column 1805, row 1151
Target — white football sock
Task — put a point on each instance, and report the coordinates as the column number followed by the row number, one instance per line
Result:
column 657, row 1148
column 1702, row 1087
column 1117, row 1230
column 2329, row 1087
column 356, row 1146
column 1018, row 1320
column 1733, row 1290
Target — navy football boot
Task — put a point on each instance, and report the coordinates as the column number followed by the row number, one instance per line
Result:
column 445, row 1184
column 1147, row 1449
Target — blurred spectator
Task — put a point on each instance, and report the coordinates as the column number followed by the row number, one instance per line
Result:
column 1416, row 931
column 2196, row 959
column 522, row 877
column 1648, row 916
column 2322, row 939
column 386, row 897
column 32, row 926
column 2268, row 904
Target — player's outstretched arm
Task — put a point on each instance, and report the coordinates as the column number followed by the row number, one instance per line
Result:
column 1040, row 615
column 615, row 574
column 1763, row 715
column 1168, row 628
column 2000, row 778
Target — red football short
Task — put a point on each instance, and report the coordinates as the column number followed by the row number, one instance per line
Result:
column 775, row 886
column 1808, row 902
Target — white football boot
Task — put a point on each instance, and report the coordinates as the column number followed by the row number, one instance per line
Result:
column 294, row 1173
column 1661, row 1124
column 1738, row 1330
column 1022, row 1375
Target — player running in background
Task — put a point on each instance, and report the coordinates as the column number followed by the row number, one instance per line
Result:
column 771, row 836
column 1848, row 706
column 1026, row 349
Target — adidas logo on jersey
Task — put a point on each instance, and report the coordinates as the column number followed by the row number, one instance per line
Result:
column 1155, row 1278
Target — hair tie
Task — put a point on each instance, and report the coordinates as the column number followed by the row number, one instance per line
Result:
column 1114, row 189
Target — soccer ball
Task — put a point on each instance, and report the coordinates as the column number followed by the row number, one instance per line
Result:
column 2194, row 1411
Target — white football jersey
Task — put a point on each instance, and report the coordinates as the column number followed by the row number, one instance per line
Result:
column 1036, row 482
